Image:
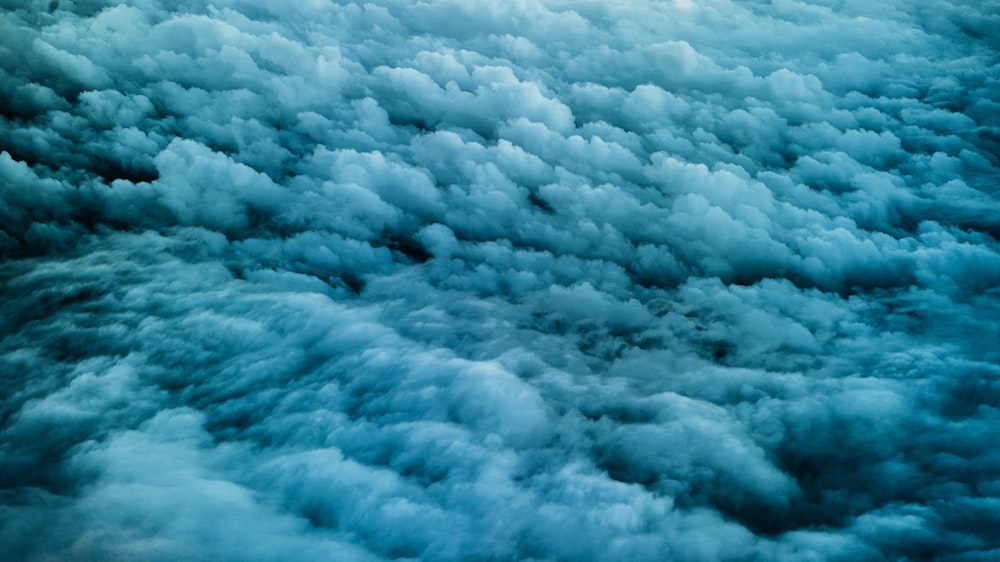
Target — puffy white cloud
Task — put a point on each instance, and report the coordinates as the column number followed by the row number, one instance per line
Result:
column 507, row 280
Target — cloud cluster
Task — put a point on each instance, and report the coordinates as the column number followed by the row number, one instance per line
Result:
column 538, row 280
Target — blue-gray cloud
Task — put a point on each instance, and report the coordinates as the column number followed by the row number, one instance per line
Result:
column 539, row 280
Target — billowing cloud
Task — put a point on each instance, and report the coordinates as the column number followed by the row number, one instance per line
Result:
column 535, row 280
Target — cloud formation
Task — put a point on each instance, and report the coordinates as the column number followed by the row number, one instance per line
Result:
column 537, row 280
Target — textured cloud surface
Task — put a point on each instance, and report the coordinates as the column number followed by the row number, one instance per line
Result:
column 534, row 279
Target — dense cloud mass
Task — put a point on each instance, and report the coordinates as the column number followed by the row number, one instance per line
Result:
column 678, row 280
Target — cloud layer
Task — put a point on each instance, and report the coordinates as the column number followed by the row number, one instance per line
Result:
column 538, row 280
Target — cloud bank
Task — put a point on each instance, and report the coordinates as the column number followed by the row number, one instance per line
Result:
column 534, row 280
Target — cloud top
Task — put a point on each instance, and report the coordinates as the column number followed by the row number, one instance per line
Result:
column 531, row 280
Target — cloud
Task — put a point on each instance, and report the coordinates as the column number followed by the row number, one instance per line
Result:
column 530, row 280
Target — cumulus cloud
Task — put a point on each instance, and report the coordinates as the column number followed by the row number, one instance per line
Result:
column 535, row 280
